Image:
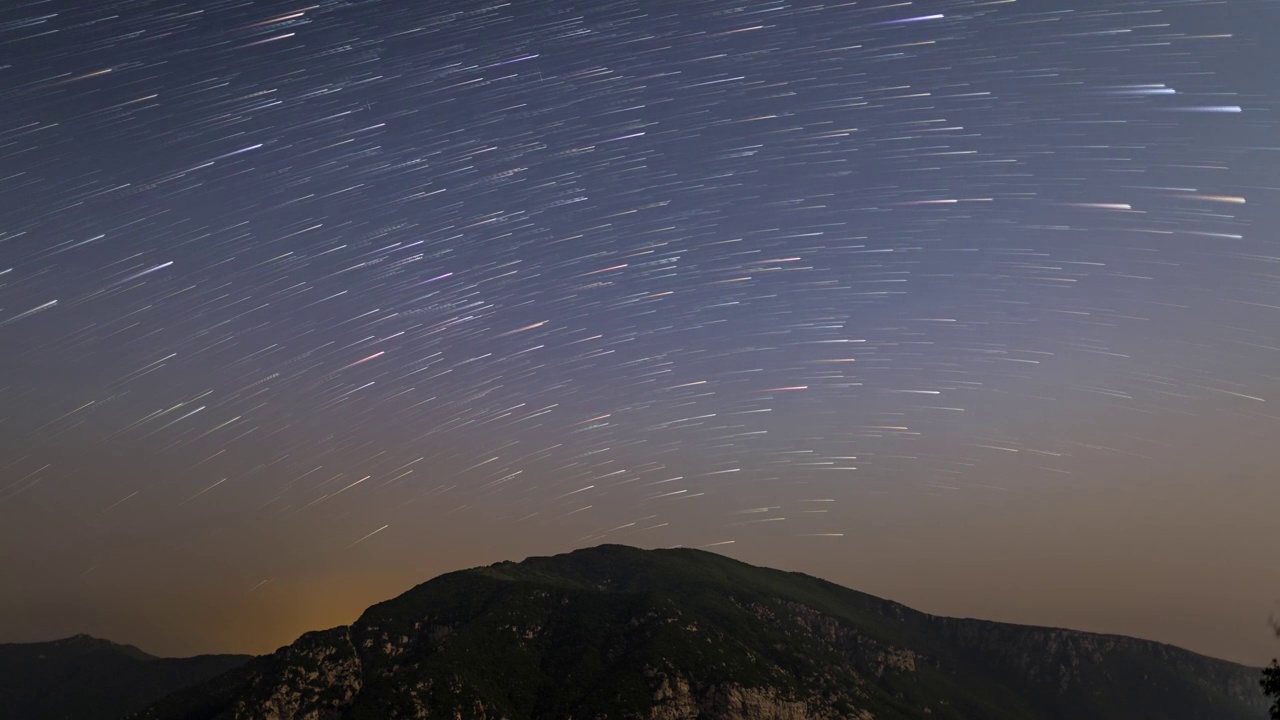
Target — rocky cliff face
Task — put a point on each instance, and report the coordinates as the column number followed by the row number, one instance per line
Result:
column 676, row 699
column 315, row 679
column 615, row 632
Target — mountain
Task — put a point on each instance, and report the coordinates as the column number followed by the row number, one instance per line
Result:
column 615, row 632
column 84, row 678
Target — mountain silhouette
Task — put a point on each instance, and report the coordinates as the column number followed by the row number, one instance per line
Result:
column 85, row 678
column 616, row 632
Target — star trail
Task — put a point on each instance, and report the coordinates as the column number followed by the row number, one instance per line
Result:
column 293, row 295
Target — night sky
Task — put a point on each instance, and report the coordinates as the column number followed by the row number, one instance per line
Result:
column 972, row 305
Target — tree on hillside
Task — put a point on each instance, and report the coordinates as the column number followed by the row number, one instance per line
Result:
column 1271, row 679
column 1271, row 686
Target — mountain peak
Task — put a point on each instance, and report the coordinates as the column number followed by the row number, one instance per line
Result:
column 80, row 644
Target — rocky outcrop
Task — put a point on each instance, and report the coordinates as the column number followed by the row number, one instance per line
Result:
column 316, row 678
column 676, row 699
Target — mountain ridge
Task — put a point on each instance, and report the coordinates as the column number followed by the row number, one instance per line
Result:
column 82, row 677
column 613, row 631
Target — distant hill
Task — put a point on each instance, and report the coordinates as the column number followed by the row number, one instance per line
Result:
column 84, row 678
column 614, row 632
